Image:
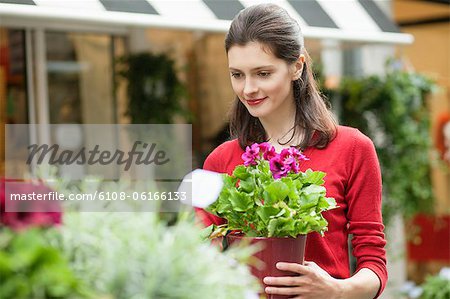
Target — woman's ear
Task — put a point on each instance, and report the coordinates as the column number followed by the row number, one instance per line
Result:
column 298, row 67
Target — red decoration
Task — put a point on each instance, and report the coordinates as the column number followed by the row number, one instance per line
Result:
column 433, row 240
column 442, row 142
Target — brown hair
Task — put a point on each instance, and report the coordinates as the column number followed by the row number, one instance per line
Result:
column 272, row 26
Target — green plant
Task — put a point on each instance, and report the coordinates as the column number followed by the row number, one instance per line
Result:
column 135, row 255
column 437, row 286
column 31, row 268
column 434, row 287
column 392, row 111
column 154, row 91
column 268, row 196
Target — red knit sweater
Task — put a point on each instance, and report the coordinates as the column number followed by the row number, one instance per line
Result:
column 354, row 180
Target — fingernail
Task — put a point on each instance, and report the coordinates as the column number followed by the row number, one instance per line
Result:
column 266, row 280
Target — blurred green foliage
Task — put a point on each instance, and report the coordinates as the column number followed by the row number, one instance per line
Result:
column 391, row 110
column 436, row 287
column 135, row 255
column 31, row 268
column 155, row 93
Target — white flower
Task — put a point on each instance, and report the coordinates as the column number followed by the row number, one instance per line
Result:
column 445, row 273
column 415, row 292
column 407, row 287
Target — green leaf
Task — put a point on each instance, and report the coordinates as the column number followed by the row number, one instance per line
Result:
column 314, row 177
column 272, row 227
column 224, row 205
column 229, row 181
column 276, row 191
column 206, row 232
column 310, row 196
column 239, row 201
column 247, row 185
column 266, row 212
column 325, row 203
column 241, row 172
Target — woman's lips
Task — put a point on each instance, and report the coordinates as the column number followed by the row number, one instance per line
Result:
column 255, row 102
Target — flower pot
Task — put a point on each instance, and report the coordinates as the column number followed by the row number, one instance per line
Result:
column 274, row 249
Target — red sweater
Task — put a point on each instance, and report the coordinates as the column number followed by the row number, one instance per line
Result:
column 354, row 180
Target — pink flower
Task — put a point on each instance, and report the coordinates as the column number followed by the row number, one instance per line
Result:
column 267, row 150
column 39, row 214
column 280, row 164
column 277, row 167
column 251, row 154
column 297, row 154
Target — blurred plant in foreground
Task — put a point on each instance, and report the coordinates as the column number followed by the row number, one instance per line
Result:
column 135, row 255
column 434, row 287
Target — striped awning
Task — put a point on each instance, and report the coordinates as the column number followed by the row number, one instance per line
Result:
column 346, row 20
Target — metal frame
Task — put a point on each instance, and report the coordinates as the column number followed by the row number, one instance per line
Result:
column 117, row 21
column 35, row 60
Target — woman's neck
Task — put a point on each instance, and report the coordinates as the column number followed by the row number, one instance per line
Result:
column 280, row 129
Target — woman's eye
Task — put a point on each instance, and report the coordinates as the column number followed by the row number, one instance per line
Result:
column 264, row 74
column 236, row 75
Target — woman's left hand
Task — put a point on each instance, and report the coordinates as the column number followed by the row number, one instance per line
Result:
column 313, row 282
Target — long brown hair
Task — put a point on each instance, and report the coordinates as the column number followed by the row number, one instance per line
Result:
column 272, row 26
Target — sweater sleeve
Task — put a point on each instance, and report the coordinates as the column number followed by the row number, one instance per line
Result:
column 212, row 163
column 363, row 194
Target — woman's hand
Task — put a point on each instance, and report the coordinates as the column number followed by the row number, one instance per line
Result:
column 313, row 282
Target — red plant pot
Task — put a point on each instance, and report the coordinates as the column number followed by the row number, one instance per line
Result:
column 274, row 250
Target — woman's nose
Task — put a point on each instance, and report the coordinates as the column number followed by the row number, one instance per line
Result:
column 250, row 86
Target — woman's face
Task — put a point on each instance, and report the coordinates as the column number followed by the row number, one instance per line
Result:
column 262, row 81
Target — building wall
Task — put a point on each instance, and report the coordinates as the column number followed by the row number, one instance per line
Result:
column 2, row 119
column 429, row 54
column 215, row 92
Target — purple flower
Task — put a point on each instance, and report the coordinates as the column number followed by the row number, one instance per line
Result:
column 277, row 167
column 280, row 164
column 291, row 158
column 297, row 154
column 267, row 150
column 251, row 154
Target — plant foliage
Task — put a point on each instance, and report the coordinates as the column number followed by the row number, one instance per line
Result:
column 259, row 201
column 135, row 255
column 154, row 91
column 436, row 287
column 31, row 268
column 392, row 111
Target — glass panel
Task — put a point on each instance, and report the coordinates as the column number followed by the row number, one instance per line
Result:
column 13, row 91
column 13, row 77
column 80, row 76
column 121, row 98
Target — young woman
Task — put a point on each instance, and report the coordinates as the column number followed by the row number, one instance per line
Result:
column 278, row 101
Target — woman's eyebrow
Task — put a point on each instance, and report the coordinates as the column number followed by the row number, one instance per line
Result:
column 254, row 69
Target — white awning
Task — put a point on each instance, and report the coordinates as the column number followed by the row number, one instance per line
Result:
column 345, row 20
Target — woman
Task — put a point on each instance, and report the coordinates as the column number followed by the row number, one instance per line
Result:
column 278, row 101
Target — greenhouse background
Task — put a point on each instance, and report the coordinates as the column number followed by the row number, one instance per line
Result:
column 71, row 62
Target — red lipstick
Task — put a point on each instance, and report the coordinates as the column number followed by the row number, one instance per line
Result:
column 254, row 102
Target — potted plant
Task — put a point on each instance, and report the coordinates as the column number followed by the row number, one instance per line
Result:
column 155, row 94
column 270, row 202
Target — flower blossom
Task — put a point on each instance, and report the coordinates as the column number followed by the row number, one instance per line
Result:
column 39, row 214
column 278, row 168
column 251, row 154
column 280, row 164
column 267, row 150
